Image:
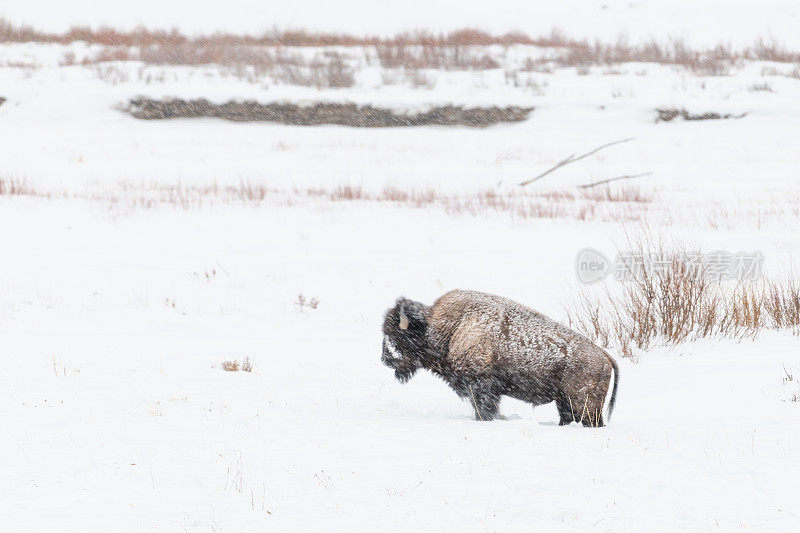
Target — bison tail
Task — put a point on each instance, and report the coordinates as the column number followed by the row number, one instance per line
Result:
column 613, row 399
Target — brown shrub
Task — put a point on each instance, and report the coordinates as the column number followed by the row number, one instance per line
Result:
column 235, row 366
column 666, row 114
column 681, row 303
column 460, row 49
column 14, row 187
column 345, row 114
column 303, row 302
column 434, row 56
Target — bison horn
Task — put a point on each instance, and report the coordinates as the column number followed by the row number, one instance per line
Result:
column 403, row 318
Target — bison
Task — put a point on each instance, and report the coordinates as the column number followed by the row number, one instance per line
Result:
column 485, row 346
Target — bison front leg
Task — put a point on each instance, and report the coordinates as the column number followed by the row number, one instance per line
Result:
column 485, row 402
column 565, row 416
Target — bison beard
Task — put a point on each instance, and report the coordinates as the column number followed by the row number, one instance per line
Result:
column 486, row 347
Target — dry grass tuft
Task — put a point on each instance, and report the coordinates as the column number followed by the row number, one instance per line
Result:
column 681, row 303
column 627, row 193
column 761, row 87
column 234, row 365
column 790, row 380
column 435, row 55
column 303, row 302
column 772, row 71
column 15, row 187
column 415, row 78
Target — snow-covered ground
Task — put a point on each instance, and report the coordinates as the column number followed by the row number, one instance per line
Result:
column 60, row 123
column 115, row 319
column 118, row 416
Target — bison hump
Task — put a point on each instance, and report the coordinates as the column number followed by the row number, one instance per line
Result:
column 472, row 346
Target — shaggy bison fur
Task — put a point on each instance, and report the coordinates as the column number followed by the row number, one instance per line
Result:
column 486, row 347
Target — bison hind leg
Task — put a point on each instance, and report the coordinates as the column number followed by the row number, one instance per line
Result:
column 594, row 421
column 583, row 414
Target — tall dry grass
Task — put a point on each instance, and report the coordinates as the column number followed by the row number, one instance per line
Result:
column 615, row 203
column 460, row 49
column 15, row 187
column 682, row 302
column 622, row 204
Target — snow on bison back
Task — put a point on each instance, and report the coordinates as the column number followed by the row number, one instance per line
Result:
column 485, row 346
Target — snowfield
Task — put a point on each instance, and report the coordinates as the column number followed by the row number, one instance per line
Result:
column 117, row 314
column 120, row 418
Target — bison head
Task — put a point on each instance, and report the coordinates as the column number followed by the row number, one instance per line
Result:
column 404, row 342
